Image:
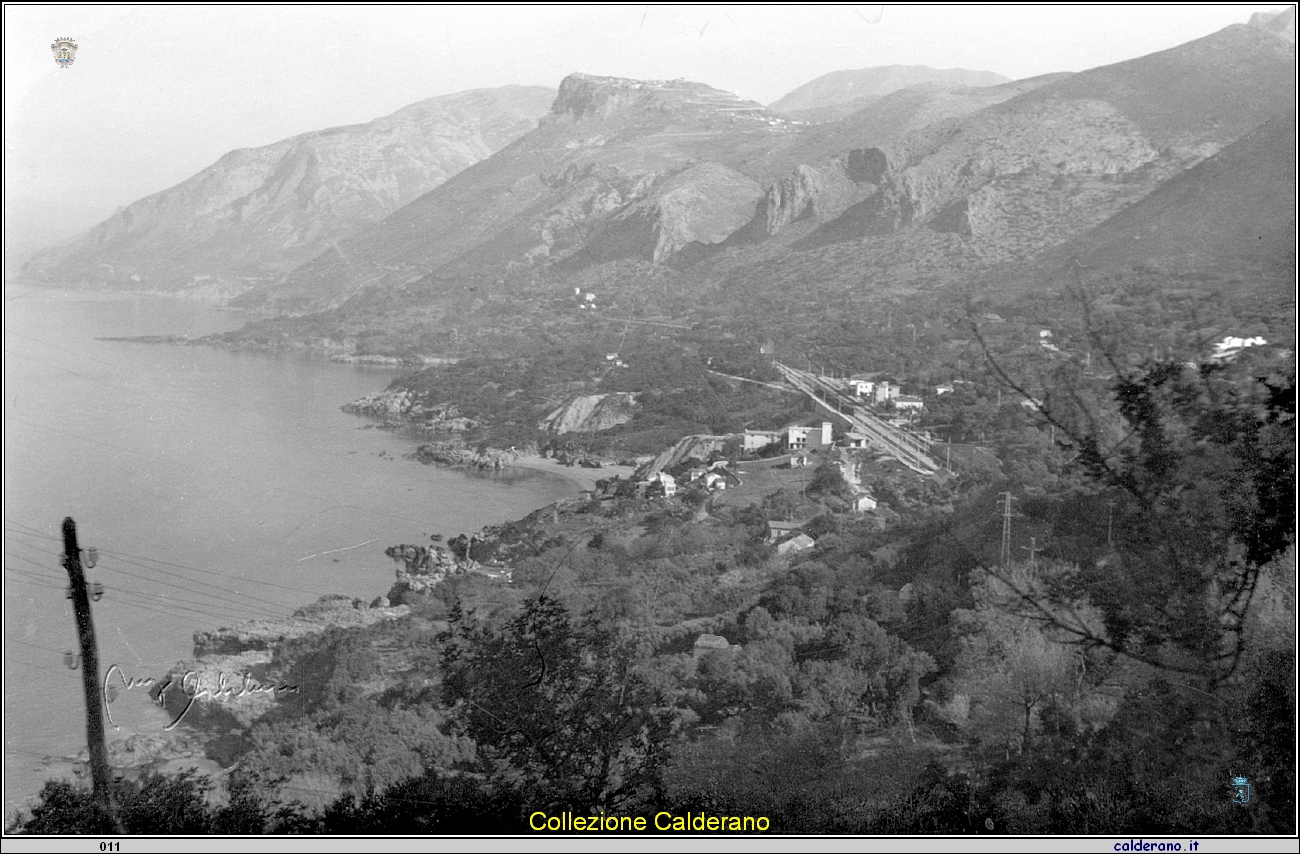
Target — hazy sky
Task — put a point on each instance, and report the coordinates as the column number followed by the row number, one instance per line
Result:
column 158, row 92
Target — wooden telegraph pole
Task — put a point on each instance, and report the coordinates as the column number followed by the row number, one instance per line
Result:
column 99, row 773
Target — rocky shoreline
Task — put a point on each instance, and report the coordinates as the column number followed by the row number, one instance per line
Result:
column 230, row 671
column 225, row 661
column 458, row 454
column 401, row 409
column 333, row 611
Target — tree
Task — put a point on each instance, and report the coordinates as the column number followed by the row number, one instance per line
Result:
column 1200, row 462
column 827, row 479
column 158, row 804
column 558, row 709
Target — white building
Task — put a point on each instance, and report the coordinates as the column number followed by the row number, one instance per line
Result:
column 864, row 503
column 664, row 479
column 907, row 401
column 800, row 436
column 756, row 439
column 885, row 391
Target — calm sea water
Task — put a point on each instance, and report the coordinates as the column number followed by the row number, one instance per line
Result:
column 218, row 487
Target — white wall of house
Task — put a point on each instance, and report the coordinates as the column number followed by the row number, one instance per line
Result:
column 757, row 439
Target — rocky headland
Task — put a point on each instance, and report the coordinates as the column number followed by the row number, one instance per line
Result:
column 231, row 682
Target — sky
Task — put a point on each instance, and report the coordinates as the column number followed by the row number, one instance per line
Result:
column 157, row 93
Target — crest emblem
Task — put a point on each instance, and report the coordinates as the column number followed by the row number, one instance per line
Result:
column 65, row 51
column 1241, row 790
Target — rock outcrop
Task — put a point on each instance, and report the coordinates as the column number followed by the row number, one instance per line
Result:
column 702, row 205
column 593, row 97
column 420, row 568
column 458, row 454
column 262, row 635
column 619, row 169
column 402, row 405
column 820, row 193
column 591, row 413
column 698, row 447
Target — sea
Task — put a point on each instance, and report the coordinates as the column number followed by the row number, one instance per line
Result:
column 215, row 486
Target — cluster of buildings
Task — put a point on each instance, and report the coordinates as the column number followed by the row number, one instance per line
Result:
column 796, row 437
column 884, row 392
column 714, row 477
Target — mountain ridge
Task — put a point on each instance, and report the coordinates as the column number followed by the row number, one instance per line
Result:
column 835, row 95
column 258, row 212
column 648, row 165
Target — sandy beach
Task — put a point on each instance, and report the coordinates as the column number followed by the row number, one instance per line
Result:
column 585, row 478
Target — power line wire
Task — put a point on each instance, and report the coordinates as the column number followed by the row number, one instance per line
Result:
column 174, row 603
column 273, row 610
column 134, row 558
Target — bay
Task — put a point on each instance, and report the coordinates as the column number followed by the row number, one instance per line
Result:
column 218, row 486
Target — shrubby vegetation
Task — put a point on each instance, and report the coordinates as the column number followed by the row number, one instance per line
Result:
column 1136, row 652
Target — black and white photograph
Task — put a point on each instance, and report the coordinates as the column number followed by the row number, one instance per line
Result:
column 624, row 424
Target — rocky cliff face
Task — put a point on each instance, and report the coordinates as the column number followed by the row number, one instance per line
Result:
column 820, row 193
column 1048, row 161
column 619, row 169
column 258, row 212
column 590, row 413
column 587, row 96
column 925, row 183
column 688, row 447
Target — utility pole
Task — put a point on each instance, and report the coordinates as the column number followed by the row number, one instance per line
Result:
column 1006, row 528
column 1110, row 523
column 1033, row 549
column 89, row 674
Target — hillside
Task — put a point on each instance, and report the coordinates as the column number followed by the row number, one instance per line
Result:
column 1001, row 184
column 258, row 212
column 675, row 205
column 1231, row 215
column 618, row 168
column 835, row 95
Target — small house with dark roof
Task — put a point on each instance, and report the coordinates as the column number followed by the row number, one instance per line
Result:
column 778, row 530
